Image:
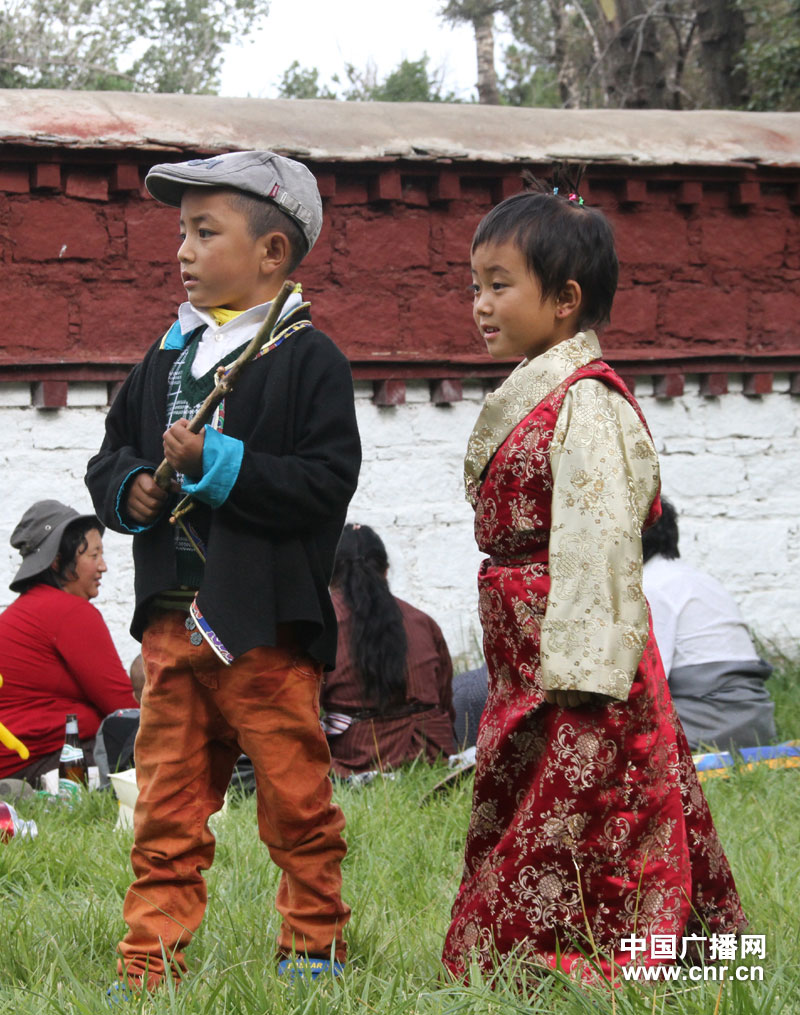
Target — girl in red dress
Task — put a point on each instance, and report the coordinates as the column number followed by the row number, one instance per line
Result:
column 590, row 843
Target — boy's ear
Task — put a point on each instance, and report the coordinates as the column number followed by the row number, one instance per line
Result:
column 569, row 299
column 277, row 252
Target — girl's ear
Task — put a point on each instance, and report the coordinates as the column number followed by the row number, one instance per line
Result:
column 569, row 299
column 55, row 566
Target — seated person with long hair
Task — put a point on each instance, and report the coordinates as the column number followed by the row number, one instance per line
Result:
column 390, row 697
column 715, row 674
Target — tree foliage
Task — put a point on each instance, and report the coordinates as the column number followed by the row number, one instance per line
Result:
column 771, row 53
column 673, row 54
column 142, row 45
column 302, row 83
column 410, row 81
column 607, row 53
column 677, row 54
column 480, row 14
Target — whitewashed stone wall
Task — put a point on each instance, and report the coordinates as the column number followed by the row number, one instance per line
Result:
column 731, row 465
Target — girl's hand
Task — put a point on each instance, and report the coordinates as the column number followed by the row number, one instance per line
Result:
column 574, row 699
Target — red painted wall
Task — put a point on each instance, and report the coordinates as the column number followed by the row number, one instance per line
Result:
column 710, row 264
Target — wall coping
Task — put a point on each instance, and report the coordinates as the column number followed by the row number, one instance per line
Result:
column 330, row 130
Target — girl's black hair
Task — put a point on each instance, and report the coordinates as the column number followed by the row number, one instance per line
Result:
column 662, row 538
column 73, row 542
column 378, row 644
column 561, row 240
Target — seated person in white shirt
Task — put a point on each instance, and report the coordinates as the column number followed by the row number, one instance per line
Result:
column 715, row 674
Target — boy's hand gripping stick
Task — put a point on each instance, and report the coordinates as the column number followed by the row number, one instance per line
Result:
column 8, row 740
column 227, row 377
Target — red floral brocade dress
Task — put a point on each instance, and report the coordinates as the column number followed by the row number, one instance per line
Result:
column 588, row 824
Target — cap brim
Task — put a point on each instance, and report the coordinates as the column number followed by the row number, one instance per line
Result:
column 168, row 188
column 167, row 181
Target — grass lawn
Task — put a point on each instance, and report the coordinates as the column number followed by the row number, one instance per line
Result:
column 61, row 902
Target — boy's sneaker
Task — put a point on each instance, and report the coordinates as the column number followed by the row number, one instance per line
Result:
column 304, row 968
column 119, row 993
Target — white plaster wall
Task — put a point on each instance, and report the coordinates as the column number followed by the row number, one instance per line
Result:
column 43, row 454
column 731, row 465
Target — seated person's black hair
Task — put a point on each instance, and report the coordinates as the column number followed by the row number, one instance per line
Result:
column 379, row 647
column 662, row 538
column 264, row 216
column 560, row 240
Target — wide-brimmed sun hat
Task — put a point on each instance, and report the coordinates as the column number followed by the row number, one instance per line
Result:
column 38, row 536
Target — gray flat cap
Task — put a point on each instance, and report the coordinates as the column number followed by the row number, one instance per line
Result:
column 286, row 182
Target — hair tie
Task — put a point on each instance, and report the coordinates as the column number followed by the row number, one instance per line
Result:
column 574, row 196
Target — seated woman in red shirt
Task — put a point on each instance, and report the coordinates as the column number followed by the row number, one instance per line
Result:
column 56, row 653
column 390, row 697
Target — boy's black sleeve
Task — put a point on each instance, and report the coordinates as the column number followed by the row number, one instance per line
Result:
column 120, row 456
column 291, row 492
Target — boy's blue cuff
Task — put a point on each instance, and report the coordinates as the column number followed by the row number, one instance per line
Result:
column 122, row 497
column 222, row 459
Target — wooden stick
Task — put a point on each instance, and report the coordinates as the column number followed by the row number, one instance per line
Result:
column 226, row 379
column 182, row 508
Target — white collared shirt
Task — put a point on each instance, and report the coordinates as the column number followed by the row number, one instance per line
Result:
column 217, row 341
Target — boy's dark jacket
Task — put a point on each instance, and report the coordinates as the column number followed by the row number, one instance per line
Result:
column 271, row 545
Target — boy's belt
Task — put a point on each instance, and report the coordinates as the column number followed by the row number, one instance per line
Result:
column 174, row 599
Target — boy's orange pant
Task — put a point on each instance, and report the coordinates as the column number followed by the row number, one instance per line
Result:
column 198, row 715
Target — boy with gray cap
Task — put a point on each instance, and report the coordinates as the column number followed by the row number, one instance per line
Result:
column 232, row 605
